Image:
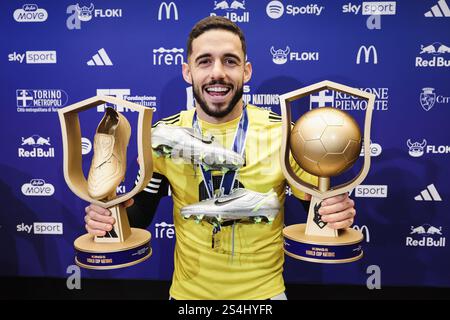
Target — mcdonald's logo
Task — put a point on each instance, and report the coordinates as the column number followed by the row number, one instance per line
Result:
column 367, row 54
column 168, row 9
column 364, row 230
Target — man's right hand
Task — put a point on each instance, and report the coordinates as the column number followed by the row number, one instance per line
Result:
column 98, row 220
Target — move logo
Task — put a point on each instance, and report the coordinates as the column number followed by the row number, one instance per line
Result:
column 428, row 98
column 281, row 56
column 38, row 187
column 276, row 9
column 164, row 230
column 79, row 14
column 30, row 13
column 40, row 100
column 33, row 57
column 417, row 149
column 347, row 102
column 41, row 228
column 36, row 146
column 375, row 149
column 168, row 8
column 233, row 10
column 426, row 235
column 168, row 57
column 431, row 56
column 367, row 52
column 125, row 94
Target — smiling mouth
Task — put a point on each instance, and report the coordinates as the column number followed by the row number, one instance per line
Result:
column 217, row 91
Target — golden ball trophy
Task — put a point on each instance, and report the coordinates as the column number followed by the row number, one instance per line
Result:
column 122, row 246
column 324, row 142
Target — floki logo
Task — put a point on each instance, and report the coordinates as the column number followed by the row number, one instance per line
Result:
column 281, row 56
column 417, row 149
column 79, row 14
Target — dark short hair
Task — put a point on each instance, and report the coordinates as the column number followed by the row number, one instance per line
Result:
column 214, row 22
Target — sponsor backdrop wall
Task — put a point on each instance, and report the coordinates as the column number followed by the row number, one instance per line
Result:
column 53, row 54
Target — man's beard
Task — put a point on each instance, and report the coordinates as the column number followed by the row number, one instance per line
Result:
column 213, row 112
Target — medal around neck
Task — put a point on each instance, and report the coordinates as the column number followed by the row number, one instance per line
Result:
column 324, row 142
column 122, row 246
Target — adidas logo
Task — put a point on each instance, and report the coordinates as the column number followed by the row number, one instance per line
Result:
column 429, row 194
column 100, row 59
column 439, row 10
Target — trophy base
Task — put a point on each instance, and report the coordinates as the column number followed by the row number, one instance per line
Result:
column 104, row 256
column 342, row 249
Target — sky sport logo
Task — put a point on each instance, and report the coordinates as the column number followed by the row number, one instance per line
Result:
column 40, row 100
column 30, row 13
column 33, row 57
column 38, row 187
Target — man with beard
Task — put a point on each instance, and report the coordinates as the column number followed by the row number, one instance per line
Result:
column 238, row 260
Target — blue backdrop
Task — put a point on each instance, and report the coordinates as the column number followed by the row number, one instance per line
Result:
column 55, row 53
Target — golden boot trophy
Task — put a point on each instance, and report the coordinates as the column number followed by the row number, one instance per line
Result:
column 324, row 142
column 122, row 246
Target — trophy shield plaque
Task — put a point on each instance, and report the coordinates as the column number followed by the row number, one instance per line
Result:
column 122, row 246
column 324, row 142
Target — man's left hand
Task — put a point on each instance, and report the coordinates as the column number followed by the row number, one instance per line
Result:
column 338, row 211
